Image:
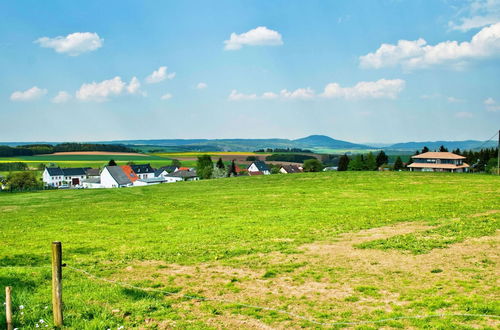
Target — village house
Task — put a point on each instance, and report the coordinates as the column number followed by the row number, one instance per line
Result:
column 114, row 177
column 165, row 170
column 258, row 167
column 182, row 175
column 143, row 171
column 287, row 169
column 438, row 162
column 64, row 177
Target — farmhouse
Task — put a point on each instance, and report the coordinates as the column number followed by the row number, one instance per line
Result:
column 143, row 171
column 438, row 162
column 286, row 169
column 258, row 166
column 114, row 177
column 129, row 173
column 57, row 177
column 182, row 175
column 165, row 170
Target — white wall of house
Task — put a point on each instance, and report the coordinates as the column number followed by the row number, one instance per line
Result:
column 254, row 168
column 107, row 181
column 91, row 185
column 282, row 170
column 146, row 175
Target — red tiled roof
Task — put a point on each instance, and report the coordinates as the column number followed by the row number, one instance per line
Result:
column 129, row 172
column 184, row 168
column 438, row 155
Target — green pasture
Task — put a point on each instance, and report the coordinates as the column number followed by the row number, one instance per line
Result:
column 316, row 248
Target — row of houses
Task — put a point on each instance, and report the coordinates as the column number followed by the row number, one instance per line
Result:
column 115, row 176
column 137, row 175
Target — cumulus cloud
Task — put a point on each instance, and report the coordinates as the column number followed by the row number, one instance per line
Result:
column 237, row 96
column 201, row 85
column 476, row 14
column 166, row 96
column 380, row 89
column 418, row 54
column 28, row 95
column 73, row 44
column 383, row 88
column 102, row 91
column 260, row 36
column 452, row 99
column 61, row 97
column 491, row 104
column 159, row 75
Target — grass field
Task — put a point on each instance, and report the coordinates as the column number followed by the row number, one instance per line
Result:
column 316, row 248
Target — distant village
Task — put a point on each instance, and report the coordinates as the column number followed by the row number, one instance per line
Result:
column 140, row 175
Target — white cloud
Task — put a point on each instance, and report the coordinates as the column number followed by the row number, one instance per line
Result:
column 464, row 114
column 491, row 105
column 383, row 88
column 260, row 36
column 299, row 93
column 133, row 86
column 61, row 97
column 28, row 95
column 201, row 85
column 167, row 96
column 379, row 89
column 102, row 91
column 159, row 75
column 236, row 96
column 418, row 54
column 73, row 44
column 476, row 14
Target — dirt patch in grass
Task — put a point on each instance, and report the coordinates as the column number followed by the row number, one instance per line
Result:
column 485, row 213
column 334, row 281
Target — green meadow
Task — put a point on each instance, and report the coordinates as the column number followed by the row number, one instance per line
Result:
column 314, row 250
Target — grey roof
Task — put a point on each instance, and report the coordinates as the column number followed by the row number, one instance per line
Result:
column 169, row 169
column 261, row 165
column 74, row 171
column 291, row 168
column 92, row 180
column 93, row 172
column 183, row 174
column 55, row 171
column 142, row 168
column 117, row 173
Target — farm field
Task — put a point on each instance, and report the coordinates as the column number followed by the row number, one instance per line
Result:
column 313, row 250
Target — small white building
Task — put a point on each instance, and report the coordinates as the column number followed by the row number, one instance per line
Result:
column 258, row 167
column 114, row 177
column 165, row 170
column 143, row 171
column 287, row 169
column 64, row 177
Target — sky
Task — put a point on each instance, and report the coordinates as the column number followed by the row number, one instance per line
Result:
column 356, row 70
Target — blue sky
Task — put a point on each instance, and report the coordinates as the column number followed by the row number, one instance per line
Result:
column 362, row 71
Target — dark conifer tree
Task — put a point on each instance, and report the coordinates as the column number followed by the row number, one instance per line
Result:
column 220, row 164
column 398, row 165
column 112, row 163
column 382, row 158
column 343, row 163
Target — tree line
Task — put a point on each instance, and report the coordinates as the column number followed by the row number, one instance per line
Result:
column 37, row 149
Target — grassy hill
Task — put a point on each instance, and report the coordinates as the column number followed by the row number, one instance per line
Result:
column 315, row 248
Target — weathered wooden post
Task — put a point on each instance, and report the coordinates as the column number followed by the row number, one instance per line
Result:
column 8, row 307
column 57, row 283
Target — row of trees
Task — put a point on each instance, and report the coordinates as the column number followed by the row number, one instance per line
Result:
column 37, row 149
column 284, row 150
column 368, row 162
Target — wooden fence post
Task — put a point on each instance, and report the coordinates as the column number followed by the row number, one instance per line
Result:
column 57, row 283
column 8, row 307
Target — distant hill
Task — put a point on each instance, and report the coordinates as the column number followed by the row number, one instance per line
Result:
column 450, row 145
column 323, row 141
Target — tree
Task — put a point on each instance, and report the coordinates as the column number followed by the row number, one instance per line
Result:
column 231, row 171
column 425, row 149
column 275, row 169
column 112, row 163
column 204, row 167
column 130, row 163
column 218, row 173
column 220, row 164
column 343, row 163
column 370, row 163
column 357, row 164
column 176, row 163
column 398, row 164
column 251, row 158
column 442, row 149
column 23, row 181
column 382, row 158
column 312, row 165
column 41, row 167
